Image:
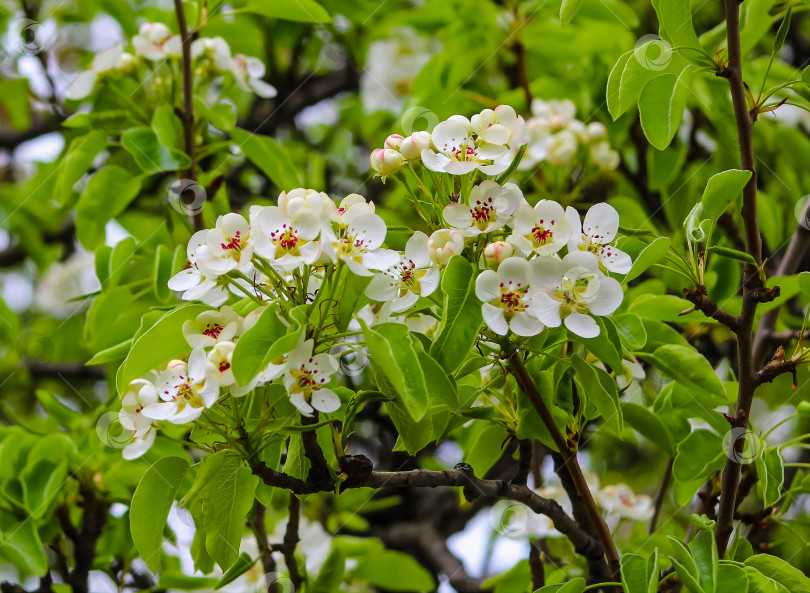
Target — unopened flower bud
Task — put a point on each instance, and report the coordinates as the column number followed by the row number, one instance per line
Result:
column 394, row 141
column 444, row 244
column 496, row 252
column 596, row 131
column 386, row 161
column 413, row 145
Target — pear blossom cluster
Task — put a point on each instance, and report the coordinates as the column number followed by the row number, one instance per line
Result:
column 537, row 266
column 556, row 136
column 155, row 44
column 457, row 145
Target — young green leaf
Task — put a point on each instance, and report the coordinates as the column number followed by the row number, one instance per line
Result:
column 661, row 106
column 568, row 10
column 150, row 506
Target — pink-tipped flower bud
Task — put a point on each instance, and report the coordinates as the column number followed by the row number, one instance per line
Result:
column 413, row 145
column 386, row 161
column 394, row 141
column 496, row 252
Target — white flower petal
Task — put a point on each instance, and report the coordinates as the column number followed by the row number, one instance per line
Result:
column 494, row 318
column 601, row 223
column 609, row 297
column 582, row 325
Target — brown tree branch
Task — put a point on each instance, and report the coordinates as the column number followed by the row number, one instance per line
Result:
column 571, row 463
column 751, row 278
column 662, row 493
column 524, row 462
column 797, row 249
column 265, row 551
column 291, row 541
column 461, row 476
column 187, row 114
column 536, row 565
column 700, row 298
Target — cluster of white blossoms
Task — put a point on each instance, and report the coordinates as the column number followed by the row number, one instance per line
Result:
column 457, row 145
column 537, row 266
column 155, row 43
column 392, row 66
column 556, row 137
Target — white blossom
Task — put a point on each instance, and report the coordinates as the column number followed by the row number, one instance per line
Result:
column 489, row 208
column 573, row 290
column 405, row 282
column 305, row 378
column 543, row 229
column 508, row 298
column 597, row 234
column 155, row 41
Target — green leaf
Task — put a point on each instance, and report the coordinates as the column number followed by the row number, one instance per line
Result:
column 350, row 291
column 600, row 389
column 256, row 348
column 613, row 91
column 704, row 551
column 221, row 116
column 639, row 574
column 676, row 19
column 227, row 499
column 106, row 195
column 75, row 164
column 631, row 330
column 393, row 571
column 391, row 348
column 731, row 579
column 661, row 106
column 781, row 34
column 150, row 155
column 649, row 256
column 159, row 344
column 568, row 10
column 267, row 154
column 304, row 11
column 162, row 272
column 461, row 315
column 243, row 564
column 150, row 506
column 176, row 580
column 331, row 574
column 721, row 191
column 20, row 543
column 649, row 425
column 782, row 572
column 803, row 281
column 699, row 455
column 607, row 345
column 733, row 254
column 576, row 585
column 689, row 368
column 771, row 474
column 687, row 578
column 168, row 128
column 42, row 482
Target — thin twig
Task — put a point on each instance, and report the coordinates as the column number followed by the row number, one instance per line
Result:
column 571, row 462
column 187, row 114
column 662, row 493
column 265, row 552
